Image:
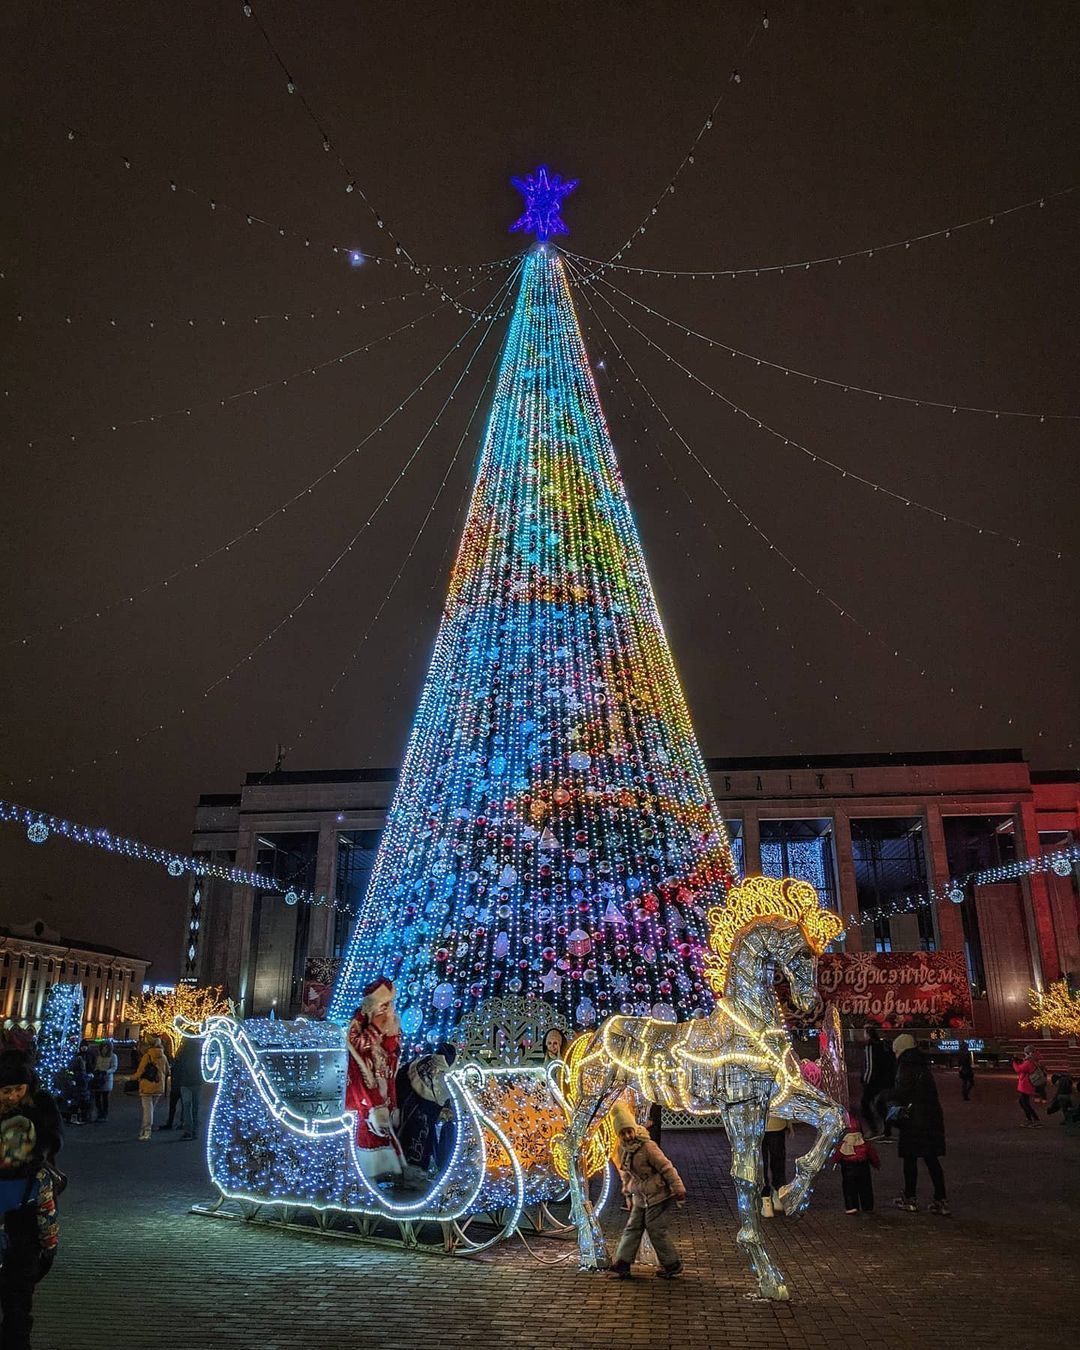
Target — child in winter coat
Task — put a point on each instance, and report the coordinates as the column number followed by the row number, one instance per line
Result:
column 855, row 1156
column 655, row 1191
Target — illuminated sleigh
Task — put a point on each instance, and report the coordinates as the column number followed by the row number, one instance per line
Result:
column 281, row 1149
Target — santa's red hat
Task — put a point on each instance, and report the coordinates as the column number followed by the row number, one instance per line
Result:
column 379, row 992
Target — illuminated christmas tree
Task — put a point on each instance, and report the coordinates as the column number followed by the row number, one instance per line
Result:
column 553, row 833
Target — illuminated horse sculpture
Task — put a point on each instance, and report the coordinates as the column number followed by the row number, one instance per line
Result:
column 737, row 1061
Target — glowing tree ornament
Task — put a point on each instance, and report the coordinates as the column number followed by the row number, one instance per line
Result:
column 553, row 833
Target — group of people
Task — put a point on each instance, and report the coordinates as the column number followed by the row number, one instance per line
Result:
column 179, row 1079
column 1031, row 1084
column 85, row 1084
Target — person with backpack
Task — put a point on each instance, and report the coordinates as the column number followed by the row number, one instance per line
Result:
column 655, row 1191
column 1027, row 1070
column 29, row 1140
column 152, row 1076
column 916, row 1112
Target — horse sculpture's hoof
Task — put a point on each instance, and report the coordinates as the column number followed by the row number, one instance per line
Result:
column 794, row 1199
column 773, row 1287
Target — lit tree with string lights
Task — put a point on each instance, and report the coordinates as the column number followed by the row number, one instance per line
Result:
column 1056, row 1009
column 157, row 1014
column 553, row 833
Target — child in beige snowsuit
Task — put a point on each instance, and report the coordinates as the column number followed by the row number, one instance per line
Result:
column 655, row 1192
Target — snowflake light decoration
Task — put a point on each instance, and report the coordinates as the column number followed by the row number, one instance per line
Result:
column 543, row 195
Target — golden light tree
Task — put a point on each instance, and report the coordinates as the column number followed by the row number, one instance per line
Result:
column 1058, row 1009
column 156, row 1014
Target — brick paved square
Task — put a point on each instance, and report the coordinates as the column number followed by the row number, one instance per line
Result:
column 137, row 1270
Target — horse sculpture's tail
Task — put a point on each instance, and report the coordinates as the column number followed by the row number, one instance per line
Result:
column 597, row 1140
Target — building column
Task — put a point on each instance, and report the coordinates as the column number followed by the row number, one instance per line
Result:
column 1037, row 903
column 321, row 918
column 237, row 974
column 848, row 896
column 950, row 924
column 751, row 840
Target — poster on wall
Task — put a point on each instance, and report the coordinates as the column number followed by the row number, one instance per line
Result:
column 897, row 989
column 319, row 975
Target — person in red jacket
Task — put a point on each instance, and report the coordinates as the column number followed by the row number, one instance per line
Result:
column 1025, row 1088
column 856, row 1155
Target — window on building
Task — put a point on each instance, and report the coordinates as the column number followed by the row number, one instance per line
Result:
column 738, row 852
column 973, row 843
column 890, row 871
column 803, row 849
column 355, row 859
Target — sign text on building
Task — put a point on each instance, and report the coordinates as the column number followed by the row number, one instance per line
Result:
column 898, row 989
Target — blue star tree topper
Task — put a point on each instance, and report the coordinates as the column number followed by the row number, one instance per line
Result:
column 543, row 193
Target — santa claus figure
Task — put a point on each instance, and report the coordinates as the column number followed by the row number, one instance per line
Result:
column 374, row 1044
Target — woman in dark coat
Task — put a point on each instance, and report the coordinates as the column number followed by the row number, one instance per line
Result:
column 920, row 1122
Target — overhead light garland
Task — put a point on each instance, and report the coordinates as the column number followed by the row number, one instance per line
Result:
column 751, row 524
column 758, row 26
column 823, row 460
column 805, row 264
column 252, row 652
column 344, row 251
column 298, row 313
column 846, row 386
column 106, row 607
column 723, row 617
column 176, row 864
column 253, row 391
column 1059, row 861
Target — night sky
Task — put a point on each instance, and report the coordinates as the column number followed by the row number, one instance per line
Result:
column 851, row 126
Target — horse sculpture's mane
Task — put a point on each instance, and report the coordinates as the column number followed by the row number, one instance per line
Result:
column 784, row 900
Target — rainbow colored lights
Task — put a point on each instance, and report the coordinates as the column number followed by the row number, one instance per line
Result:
column 553, row 833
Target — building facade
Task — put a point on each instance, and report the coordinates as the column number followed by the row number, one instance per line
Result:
column 871, row 832
column 34, row 957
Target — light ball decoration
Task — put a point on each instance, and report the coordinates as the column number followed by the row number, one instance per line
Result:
column 1061, row 865
column 37, row 831
column 291, row 897
column 175, row 867
column 956, row 895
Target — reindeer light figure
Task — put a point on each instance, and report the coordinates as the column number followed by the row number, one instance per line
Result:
column 737, row 1061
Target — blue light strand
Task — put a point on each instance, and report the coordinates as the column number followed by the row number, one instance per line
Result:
column 176, row 864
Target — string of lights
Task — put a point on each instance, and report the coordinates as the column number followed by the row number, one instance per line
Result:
column 298, row 314
column 320, row 709
column 100, row 610
column 249, row 655
column 690, row 157
column 818, row 458
column 349, row 251
column 253, row 391
column 769, row 615
column 846, row 385
column 840, row 610
column 41, row 826
column 1060, row 861
column 352, row 184
column 805, row 264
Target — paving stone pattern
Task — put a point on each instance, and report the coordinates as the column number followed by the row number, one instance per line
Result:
column 137, row 1270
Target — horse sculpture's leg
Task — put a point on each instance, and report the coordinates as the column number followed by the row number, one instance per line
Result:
column 745, row 1125
column 591, row 1107
column 813, row 1107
